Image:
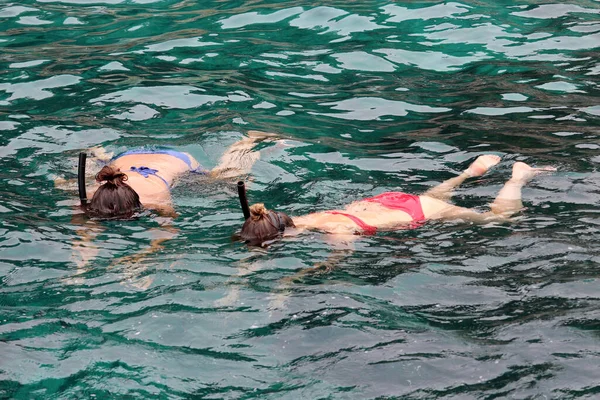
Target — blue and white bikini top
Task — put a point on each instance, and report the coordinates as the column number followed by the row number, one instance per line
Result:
column 146, row 171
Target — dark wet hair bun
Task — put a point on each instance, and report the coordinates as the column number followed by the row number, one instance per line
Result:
column 114, row 199
column 264, row 225
column 111, row 175
column 258, row 211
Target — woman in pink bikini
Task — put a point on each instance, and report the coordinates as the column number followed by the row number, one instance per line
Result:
column 397, row 210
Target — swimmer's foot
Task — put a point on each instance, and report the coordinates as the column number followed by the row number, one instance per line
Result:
column 482, row 164
column 523, row 173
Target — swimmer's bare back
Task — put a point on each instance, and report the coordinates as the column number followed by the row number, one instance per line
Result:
column 153, row 188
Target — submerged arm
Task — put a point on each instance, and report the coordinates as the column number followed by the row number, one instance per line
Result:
column 159, row 236
column 133, row 265
column 84, row 250
column 343, row 247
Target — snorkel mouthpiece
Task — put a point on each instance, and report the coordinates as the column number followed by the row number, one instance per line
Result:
column 241, row 186
column 81, row 178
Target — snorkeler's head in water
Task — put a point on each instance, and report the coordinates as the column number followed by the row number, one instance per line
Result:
column 264, row 225
column 114, row 199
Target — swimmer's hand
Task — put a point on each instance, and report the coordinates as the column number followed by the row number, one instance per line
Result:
column 260, row 135
column 65, row 184
column 100, row 153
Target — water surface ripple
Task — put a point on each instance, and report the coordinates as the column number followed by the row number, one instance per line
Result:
column 370, row 96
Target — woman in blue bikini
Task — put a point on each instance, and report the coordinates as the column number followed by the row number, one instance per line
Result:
column 142, row 178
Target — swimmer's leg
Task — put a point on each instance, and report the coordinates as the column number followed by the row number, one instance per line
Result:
column 507, row 203
column 436, row 209
column 508, row 200
column 480, row 166
column 239, row 158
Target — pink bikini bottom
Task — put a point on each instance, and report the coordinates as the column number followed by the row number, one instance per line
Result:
column 408, row 203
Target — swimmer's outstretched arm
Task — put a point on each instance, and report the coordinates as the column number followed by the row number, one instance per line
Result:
column 480, row 166
column 343, row 247
column 244, row 267
column 239, row 158
column 156, row 244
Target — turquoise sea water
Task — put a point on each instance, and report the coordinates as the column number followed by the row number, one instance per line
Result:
column 370, row 96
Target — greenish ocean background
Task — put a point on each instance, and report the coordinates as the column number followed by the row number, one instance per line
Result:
column 369, row 96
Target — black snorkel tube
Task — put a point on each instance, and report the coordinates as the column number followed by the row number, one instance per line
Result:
column 241, row 186
column 81, row 179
